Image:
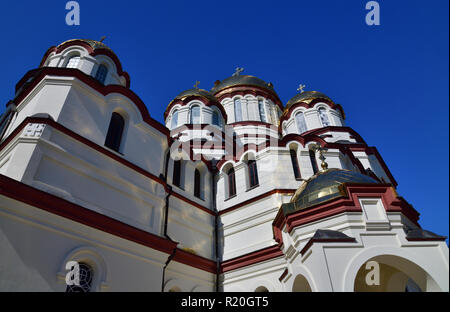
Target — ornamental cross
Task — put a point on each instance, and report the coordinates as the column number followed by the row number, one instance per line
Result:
column 102, row 39
column 238, row 71
column 196, row 84
column 300, row 88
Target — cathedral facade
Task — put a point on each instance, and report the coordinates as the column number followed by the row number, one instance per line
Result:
column 237, row 191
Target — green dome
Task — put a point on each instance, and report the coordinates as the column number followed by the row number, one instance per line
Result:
column 324, row 186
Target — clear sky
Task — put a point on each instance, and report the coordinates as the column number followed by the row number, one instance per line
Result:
column 392, row 80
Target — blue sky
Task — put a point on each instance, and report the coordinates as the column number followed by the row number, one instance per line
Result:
column 392, row 79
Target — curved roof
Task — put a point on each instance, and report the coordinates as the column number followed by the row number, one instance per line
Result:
column 93, row 43
column 196, row 92
column 240, row 80
column 324, row 186
column 306, row 96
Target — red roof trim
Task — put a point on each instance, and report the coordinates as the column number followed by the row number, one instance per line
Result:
column 252, row 258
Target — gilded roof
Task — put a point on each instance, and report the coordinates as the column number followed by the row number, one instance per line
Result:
column 307, row 96
column 195, row 92
column 324, row 186
column 93, row 43
column 239, row 80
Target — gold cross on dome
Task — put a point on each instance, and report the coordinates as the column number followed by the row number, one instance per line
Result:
column 238, row 71
column 301, row 87
column 196, row 84
column 102, row 38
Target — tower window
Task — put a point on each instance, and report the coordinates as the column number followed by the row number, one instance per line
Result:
column 115, row 132
column 231, row 183
column 312, row 157
column 197, row 184
column 73, row 62
column 175, row 119
column 301, row 122
column 195, row 114
column 177, row 173
column 324, row 117
column 237, row 110
column 102, row 71
column 295, row 166
column 216, row 119
column 262, row 111
column 253, row 173
column 86, row 274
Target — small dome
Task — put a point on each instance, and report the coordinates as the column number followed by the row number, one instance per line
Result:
column 196, row 92
column 93, row 43
column 306, row 96
column 241, row 80
column 324, row 186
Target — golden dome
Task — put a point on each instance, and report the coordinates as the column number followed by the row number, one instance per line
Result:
column 324, row 186
column 307, row 96
column 93, row 43
column 241, row 80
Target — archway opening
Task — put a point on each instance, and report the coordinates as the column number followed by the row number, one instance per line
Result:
column 388, row 273
column 301, row 284
column 261, row 289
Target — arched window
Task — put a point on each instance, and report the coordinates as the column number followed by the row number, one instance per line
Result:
column 312, row 157
column 253, row 173
column 295, row 166
column 197, row 184
column 115, row 132
column 262, row 111
column 176, row 180
column 102, row 71
column 324, row 117
column 231, row 183
column 301, row 122
column 73, row 62
column 86, row 275
column 174, row 119
column 216, row 119
column 195, row 114
column 237, row 110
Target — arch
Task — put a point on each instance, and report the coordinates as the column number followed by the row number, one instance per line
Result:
column 300, row 121
column 115, row 132
column 174, row 119
column 73, row 61
column 172, row 285
column 91, row 257
column 324, row 116
column 426, row 275
column 301, row 284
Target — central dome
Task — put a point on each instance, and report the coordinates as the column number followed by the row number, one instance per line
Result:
column 324, row 186
column 93, row 43
column 241, row 80
column 196, row 92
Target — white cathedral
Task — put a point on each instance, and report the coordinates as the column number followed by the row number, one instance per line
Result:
column 236, row 192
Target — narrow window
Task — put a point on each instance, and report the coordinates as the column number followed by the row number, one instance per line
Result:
column 102, row 71
column 231, row 183
column 262, row 111
column 195, row 114
column 86, row 275
column 115, row 132
column 73, row 62
column 324, row 117
column 253, row 173
column 237, row 110
column 175, row 119
column 295, row 166
column 5, row 121
column 301, row 122
column 216, row 119
column 197, row 184
column 312, row 157
column 177, row 173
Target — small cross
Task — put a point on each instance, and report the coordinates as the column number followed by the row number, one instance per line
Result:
column 102, row 38
column 300, row 88
column 239, row 70
column 196, row 84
